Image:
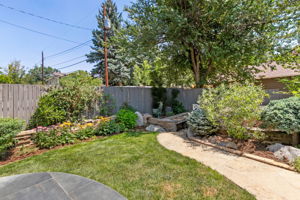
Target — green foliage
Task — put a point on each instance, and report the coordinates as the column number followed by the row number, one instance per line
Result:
column 293, row 85
column 47, row 139
column 297, row 164
column 5, row 79
column 216, row 41
column 119, row 72
column 77, row 92
column 16, row 72
column 126, row 106
column 283, row 115
column 109, row 127
column 50, row 110
column 199, row 124
column 85, row 133
column 176, row 105
column 141, row 74
column 126, row 117
column 34, row 75
column 9, row 128
column 233, row 107
column 106, row 105
column 159, row 96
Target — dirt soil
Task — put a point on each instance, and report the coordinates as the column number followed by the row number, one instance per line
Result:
column 250, row 146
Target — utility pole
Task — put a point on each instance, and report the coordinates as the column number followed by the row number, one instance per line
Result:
column 43, row 68
column 106, row 27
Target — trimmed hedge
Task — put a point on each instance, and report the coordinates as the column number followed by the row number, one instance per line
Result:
column 283, row 114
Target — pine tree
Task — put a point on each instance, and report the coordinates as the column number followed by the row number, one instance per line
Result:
column 119, row 73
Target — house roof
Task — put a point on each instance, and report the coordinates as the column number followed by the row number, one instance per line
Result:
column 278, row 72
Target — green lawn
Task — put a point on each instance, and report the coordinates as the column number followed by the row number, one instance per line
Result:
column 135, row 165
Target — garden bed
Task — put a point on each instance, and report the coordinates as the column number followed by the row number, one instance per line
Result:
column 251, row 148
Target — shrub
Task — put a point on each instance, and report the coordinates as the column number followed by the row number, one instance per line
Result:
column 199, row 123
column 85, row 133
column 50, row 110
column 176, row 105
column 46, row 139
column 9, row 128
column 282, row 114
column 233, row 107
column 49, row 138
column 159, row 96
column 76, row 94
column 108, row 128
column 126, row 117
column 297, row 164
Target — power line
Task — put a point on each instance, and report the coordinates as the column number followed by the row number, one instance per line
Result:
column 67, row 61
column 72, row 64
column 34, row 31
column 68, row 50
column 44, row 18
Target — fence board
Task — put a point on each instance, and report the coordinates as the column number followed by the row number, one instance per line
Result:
column 20, row 101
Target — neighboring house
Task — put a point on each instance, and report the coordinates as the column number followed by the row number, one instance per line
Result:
column 270, row 78
column 54, row 79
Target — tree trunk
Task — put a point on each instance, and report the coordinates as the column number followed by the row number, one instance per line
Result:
column 196, row 67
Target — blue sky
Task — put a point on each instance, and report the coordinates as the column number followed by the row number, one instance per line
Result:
column 18, row 44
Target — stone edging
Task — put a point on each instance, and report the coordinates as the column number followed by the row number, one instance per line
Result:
column 240, row 153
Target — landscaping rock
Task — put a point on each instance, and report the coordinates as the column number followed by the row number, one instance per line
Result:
column 146, row 116
column 230, row 145
column 274, row 147
column 154, row 128
column 212, row 139
column 140, row 119
column 282, row 152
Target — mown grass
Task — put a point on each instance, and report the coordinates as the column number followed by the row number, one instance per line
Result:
column 135, row 165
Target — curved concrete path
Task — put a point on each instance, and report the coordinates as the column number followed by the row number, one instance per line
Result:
column 54, row 186
column 264, row 181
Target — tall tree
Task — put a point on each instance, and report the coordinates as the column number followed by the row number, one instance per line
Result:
column 119, row 73
column 34, row 75
column 16, row 72
column 217, row 40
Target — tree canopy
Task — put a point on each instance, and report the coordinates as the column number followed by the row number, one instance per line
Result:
column 216, row 40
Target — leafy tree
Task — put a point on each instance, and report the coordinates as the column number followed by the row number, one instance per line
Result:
column 119, row 73
column 216, row 40
column 4, row 78
column 15, row 72
column 34, row 75
column 292, row 85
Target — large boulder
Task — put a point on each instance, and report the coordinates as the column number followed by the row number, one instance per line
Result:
column 153, row 128
column 140, row 119
column 282, row 152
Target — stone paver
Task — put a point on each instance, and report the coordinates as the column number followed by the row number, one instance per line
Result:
column 264, row 181
column 54, row 186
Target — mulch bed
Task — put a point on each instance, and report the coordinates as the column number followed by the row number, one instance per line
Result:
column 250, row 146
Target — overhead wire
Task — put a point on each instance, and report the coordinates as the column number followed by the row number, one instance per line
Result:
column 38, row 32
column 72, row 64
column 68, row 50
column 45, row 18
column 66, row 61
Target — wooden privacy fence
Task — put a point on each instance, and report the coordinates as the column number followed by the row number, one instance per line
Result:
column 141, row 98
column 19, row 101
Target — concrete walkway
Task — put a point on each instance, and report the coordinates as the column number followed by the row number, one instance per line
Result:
column 263, row 181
